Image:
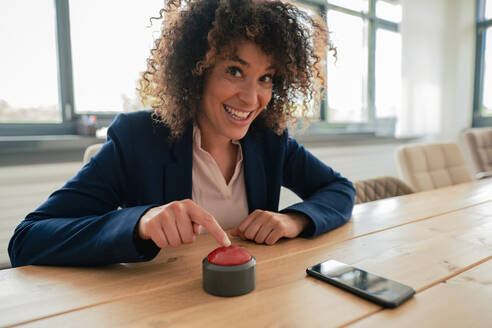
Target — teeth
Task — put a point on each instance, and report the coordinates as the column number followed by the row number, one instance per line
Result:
column 236, row 114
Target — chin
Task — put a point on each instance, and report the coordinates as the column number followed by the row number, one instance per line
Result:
column 237, row 135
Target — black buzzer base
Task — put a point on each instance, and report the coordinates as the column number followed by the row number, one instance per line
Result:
column 229, row 281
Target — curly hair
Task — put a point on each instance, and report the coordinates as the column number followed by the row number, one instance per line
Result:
column 196, row 33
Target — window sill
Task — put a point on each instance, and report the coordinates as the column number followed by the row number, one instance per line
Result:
column 25, row 150
column 46, row 143
column 347, row 139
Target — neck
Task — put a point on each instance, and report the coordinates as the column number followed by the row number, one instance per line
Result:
column 212, row 144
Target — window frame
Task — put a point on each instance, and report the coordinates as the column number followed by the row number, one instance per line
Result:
column 482, row 25
column 373, row 24
column 68, row 124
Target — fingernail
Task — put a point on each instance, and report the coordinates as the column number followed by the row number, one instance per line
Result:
column 227, row 241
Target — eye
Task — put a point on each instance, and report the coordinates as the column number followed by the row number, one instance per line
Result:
column 267, row 78
column 234, row 71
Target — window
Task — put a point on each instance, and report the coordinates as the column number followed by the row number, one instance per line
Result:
column 488, row 10
column 74, row 57
column 347, row 75
column 44, row 81
column 388, row 74
column 364, row 83
column 28, row 82
column 389, row 10
column 355, row 5
column 486, row 109
column 109, row 50
column 313, row 113
column 482, row 105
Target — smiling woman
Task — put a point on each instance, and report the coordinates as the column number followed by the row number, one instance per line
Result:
column 196, row 34
column 236, row 91
column 214, row 152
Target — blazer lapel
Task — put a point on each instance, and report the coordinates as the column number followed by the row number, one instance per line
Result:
column 177, row 173
column 254, row 174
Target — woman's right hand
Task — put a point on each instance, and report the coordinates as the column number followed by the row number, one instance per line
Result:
column 177, row 223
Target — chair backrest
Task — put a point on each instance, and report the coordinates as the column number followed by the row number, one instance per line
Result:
column 5, row 265
column 91, row 151
column 479, row 144
column 378, row 188
column 431, row 166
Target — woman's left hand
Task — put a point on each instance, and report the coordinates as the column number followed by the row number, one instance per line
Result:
column 268, row 227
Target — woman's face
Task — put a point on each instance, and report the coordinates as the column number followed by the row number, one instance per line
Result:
column 236, row 90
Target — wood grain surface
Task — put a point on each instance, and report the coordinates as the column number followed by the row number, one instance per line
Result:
column 462, row 301
column 421, row 240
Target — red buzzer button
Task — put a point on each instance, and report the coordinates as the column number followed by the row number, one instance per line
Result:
column 229, row 256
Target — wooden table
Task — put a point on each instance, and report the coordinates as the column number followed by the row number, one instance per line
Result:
column 439, row 242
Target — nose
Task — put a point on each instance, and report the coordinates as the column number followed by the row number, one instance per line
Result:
column 248, row 93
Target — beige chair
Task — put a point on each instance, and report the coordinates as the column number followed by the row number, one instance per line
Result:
column 431, row 166
column 91, row 151
column 479, row 145
column 378, row 188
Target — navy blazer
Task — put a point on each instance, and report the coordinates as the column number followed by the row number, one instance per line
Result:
column 92, row 218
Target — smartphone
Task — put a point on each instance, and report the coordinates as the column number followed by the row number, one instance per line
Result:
column 385, row 292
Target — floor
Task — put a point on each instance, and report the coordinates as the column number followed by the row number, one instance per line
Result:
column 24, row 187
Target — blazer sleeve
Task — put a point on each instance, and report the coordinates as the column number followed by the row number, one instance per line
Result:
column 328, row 198
column 81, row 224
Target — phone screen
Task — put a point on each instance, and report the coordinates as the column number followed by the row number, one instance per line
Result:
column 383, row 291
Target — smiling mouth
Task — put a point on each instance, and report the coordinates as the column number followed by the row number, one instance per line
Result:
column 236, row 114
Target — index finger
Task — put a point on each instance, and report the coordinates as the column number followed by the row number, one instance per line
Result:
column 205, row 219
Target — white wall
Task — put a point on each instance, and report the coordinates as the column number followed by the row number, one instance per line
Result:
column 438, row 49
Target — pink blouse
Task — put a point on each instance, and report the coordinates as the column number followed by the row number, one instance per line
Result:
column 226, row 202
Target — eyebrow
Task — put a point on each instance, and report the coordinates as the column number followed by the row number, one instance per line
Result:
column 245, row 63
